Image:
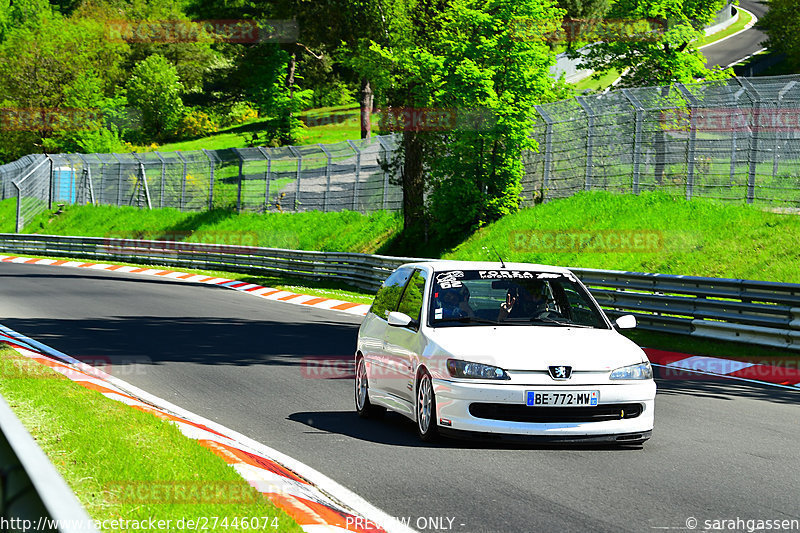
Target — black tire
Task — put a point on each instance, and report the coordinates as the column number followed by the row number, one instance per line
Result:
column 364, row 407
column 427, row 427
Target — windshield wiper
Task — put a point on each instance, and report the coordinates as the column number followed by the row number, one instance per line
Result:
column 548, row 321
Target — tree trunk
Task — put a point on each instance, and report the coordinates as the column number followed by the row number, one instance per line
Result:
column 413, row 187
column 290, row 73
column 366, row 109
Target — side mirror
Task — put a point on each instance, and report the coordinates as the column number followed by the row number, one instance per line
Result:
column 401, row 320
column 626, row 322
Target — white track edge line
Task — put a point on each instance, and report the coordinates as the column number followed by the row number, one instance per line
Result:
column 320, row 480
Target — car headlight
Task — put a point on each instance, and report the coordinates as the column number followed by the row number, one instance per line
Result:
column 640, row 371
column 466, row 369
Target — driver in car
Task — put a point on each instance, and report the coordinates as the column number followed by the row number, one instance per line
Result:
column 523, row 302
column 454, row 303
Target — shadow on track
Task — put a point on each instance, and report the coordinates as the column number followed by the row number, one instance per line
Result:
column 396, row 430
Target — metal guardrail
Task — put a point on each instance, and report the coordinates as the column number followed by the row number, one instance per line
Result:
column 754, row 312
column 33, row 495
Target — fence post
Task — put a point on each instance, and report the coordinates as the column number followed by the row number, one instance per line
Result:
column 691, row 154
column 385, row 172
column 18, row 227
column 751, row 177
column 212, row 164
column 637, row 137
column 327, row 177
column 241, row 178
column 144, row 181
column 781, row 94
column 52, row 182
column 548, row 150
column 163, row 178
column 268, row 157
column 358, row 173
column 299, row 157
column 88, row 173
column 119, row 180
column 736, row 97
column 589, row 140
column 183, row 180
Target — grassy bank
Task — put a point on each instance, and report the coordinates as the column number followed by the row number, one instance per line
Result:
column 341, row 231
column 123, row 463
column 697, row 237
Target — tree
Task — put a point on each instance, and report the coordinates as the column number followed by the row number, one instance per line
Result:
column 154, row 88
column 585, row 9
column 658, row 54
column 782, row 25
column 466, row 60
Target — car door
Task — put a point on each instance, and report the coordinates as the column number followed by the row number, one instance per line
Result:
column 373, row 331
column 403, row 344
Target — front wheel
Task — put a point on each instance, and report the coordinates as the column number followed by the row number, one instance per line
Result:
column 364, row 407
column 426, row 409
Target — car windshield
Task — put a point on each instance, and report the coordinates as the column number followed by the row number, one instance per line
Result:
column 511, row 297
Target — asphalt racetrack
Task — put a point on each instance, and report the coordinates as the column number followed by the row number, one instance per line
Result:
column 721, row 449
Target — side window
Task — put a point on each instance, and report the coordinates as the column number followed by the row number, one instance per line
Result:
column 389, row 294
column 411, row 304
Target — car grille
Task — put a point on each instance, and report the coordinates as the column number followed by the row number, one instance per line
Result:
column 524, row 413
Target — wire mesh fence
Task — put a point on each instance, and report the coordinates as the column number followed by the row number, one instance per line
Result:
column 351, row 175
column 737, row 139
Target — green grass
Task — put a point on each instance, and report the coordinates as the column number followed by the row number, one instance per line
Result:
column 327, row 125
column 111, row 454
column 593, row 84
column 698, row 237
column 343, row 231
column 744, row 19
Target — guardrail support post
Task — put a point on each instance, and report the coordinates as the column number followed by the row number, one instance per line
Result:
column 775, row 156
column 18, row 226
column 87, row 172
column 119, row 180
column 144, row 181
column 241, row 178
column 52, row 182
column 358, row 173
column 548, row 151
column 385, row 172
column 691, row 155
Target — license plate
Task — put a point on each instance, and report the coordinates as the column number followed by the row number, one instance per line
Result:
column 547, row 398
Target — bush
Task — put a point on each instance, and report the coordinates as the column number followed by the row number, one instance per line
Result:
column 196, row 124
column 241, row 112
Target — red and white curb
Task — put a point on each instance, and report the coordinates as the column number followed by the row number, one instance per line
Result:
column 785, row 373
column 250, row 288
column 313, row 500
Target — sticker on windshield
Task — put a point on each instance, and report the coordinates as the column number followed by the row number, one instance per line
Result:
column 547, row 275
column 499, row 274
column 447, row 280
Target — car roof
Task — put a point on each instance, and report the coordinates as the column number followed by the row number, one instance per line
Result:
column 439, row 266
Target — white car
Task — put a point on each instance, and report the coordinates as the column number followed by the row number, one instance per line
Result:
column 498, row 350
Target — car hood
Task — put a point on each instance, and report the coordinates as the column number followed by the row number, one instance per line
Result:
column 537, row 347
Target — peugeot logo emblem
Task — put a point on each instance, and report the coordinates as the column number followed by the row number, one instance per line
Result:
column 560, row 372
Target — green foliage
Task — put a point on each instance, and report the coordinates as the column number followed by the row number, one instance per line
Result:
column 155, row 90
column 782, row 25
column 467, row 57
column 661, row 57
column 196, row 124
column 585, row 9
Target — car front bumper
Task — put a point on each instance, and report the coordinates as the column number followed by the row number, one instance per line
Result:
column 453, row 400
